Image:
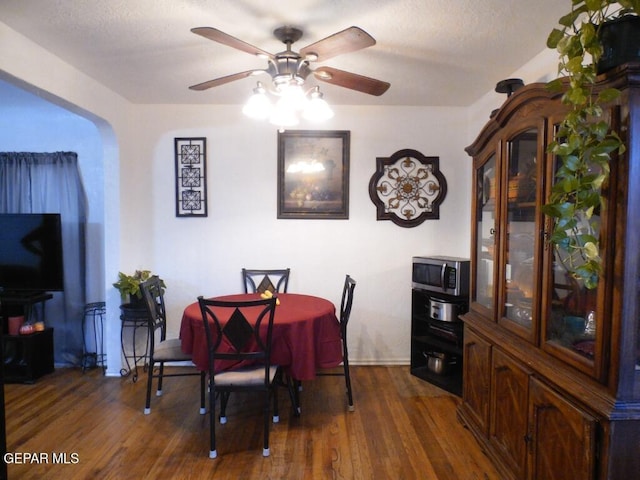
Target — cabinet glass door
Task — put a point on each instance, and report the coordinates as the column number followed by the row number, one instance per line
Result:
column 519, row 265
column 571, row 324
column 485, row 248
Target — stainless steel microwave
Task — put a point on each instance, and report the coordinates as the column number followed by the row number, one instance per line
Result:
column 441, row 274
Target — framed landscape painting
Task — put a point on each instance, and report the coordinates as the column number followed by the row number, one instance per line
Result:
column 313, row 174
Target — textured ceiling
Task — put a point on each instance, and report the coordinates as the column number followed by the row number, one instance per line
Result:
column 433, row 52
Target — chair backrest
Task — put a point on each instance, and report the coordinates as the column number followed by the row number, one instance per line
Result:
column 259, row 281
column 346, row 303
column 153, row 297
column 238, row 331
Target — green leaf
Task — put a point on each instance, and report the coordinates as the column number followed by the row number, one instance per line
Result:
column 633, row 5
column 589, row 213
column 571, row 163
column 568, row 19
column 587, row 238
column 558, row 236
column 607, row 146
column 599, row 129
column 590, row 199
column 560, row 239
column 587, row 34
column 576, row 96
column 554, row 38
column 593, row 4
column 608, row 95
column 574, row 64
column 555, row 86
column 550, row 210
column 588, row 273
column 598, row 181
column 565, row 222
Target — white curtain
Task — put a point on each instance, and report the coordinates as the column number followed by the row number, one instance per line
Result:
column 51, row 183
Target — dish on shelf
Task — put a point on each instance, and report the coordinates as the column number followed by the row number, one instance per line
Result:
column 585, row 347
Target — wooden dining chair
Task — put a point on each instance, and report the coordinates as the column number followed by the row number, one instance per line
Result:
column 245, row 346
column 161, row 348
column 259, row 281
column 345, row 313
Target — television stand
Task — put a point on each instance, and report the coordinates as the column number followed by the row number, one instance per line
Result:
column 23, row 295
column 25, row 357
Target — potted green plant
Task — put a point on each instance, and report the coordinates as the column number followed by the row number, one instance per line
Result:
column 583, row 142
column 129, row 285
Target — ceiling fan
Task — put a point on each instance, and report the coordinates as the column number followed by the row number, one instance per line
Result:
column 290, row 67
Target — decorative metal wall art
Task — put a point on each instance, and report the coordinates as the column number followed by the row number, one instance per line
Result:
column 313, row 174
column 407, row 188
column 191, row 177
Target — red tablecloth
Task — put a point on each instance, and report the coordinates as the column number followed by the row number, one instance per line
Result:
column 306, row 334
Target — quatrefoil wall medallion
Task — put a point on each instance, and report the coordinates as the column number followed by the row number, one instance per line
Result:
column 407, row 188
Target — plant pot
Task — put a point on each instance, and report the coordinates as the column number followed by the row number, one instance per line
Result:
column 132, row 312
column 620, row 40
column 136, row 303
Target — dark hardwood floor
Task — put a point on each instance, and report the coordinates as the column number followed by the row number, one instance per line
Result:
column 402, row 428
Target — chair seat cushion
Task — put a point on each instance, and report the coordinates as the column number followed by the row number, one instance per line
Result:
column 253, row 375
column 170, row 350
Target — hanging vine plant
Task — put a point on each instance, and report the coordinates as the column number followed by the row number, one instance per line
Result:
column 583, row 142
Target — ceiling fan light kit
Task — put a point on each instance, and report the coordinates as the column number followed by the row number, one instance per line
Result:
column 293, row 102
column 289, row 71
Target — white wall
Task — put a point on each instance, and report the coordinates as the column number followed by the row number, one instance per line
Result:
column 542, row 68
column 204, row 255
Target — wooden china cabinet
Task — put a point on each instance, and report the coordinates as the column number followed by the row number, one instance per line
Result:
column 551, row 381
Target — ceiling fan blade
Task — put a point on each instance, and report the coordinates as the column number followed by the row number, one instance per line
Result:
column 222, row 80
column 226, row 39
column 351, row 80
column 348, row 40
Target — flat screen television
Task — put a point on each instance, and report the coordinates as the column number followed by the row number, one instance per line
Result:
column 30, row 252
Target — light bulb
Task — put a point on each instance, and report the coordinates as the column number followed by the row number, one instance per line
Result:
column 258, row 106
column 293, row 95
column 317, row 109
column 284, row 114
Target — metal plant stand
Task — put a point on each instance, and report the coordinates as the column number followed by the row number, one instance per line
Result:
column 94, row 314
column 133, row 318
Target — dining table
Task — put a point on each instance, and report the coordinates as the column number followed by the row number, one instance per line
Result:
column 305, row 337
